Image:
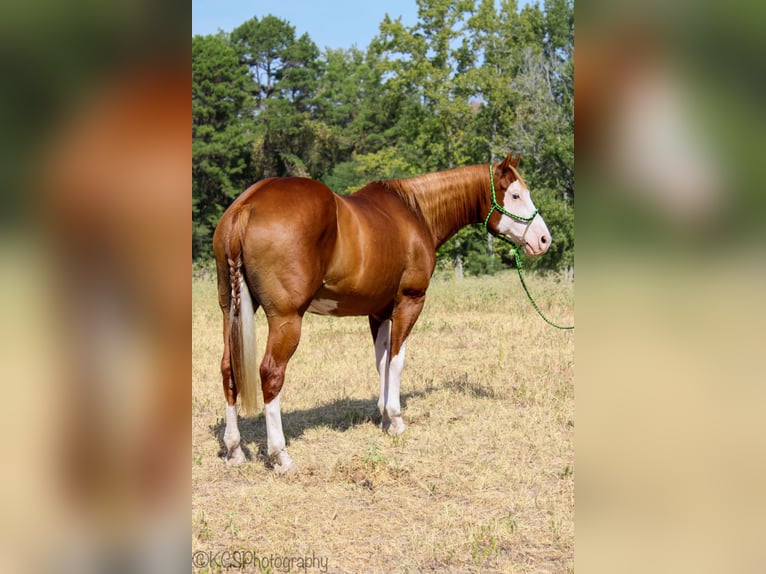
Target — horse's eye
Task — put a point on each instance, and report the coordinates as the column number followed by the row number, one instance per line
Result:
column 515, row 196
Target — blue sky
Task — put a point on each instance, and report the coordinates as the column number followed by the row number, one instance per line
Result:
column 329, row 23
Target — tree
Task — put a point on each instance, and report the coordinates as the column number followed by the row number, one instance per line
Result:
column 420, row 65
column 222, row 134
column 469, row 81
column 285, row 73
column 544, row 120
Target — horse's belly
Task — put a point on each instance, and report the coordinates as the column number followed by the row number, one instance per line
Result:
column 339, row 303
column 323, row 306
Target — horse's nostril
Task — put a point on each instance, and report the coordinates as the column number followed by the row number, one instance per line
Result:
column 543, row 240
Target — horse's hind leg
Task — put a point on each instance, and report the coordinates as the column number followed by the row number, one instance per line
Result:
column 231, row 436
column 284, row 335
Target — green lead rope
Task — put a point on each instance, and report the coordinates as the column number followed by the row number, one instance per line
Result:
column 516, row 255
column 514, row 249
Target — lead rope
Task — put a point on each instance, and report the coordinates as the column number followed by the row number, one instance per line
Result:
column 514, row 249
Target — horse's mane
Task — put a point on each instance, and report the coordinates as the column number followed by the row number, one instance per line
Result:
column 445, row 199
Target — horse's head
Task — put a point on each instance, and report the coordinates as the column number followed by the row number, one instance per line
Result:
column 517, row 218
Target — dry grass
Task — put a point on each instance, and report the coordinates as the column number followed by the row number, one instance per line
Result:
column 482, row 481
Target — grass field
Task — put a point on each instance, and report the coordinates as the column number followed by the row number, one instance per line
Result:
column 482, row 481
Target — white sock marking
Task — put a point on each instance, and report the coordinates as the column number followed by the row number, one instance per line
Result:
column 382, row 348
column 274, row 435
column 393, row 407
column 275, row 438
column 231, row 436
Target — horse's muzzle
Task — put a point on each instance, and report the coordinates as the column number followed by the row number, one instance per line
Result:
column 538, row 247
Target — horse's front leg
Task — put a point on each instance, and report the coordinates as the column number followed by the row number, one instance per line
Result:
column 381, row 335
column 392, row 411
column 390, row 346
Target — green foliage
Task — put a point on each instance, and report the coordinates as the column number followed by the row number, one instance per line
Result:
column 473, row 250
column 349, row 176
column 469, row 81
column 222, row 135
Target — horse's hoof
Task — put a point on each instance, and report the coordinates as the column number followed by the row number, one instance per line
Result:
column 290, row 469
column 396, row 427
column 236, row 457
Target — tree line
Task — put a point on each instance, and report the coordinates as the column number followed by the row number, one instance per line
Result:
column 469, row 81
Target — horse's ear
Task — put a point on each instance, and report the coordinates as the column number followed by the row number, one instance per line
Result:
column 510, row 161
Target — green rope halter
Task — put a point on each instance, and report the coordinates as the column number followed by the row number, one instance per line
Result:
column 501, row 209
column 514, row 249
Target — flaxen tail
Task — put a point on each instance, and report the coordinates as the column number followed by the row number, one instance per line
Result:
column 242, row 337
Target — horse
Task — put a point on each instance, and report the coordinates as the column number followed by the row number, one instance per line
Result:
column 291, row 246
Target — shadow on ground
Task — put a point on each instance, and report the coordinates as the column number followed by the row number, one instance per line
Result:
column 339, row 415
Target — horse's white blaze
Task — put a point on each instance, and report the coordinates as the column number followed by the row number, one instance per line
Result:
column 523, row 232
column 323, row 306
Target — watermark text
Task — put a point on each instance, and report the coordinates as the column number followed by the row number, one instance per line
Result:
column 237, row 559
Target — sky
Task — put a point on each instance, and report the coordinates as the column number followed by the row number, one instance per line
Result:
column 329, row 23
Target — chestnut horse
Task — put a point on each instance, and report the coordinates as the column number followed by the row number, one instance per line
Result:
column 290, row 245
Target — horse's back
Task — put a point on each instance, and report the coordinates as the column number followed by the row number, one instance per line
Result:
column 276, row 206
column 285, row 199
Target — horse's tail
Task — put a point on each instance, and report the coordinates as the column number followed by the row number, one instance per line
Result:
column 242, row 333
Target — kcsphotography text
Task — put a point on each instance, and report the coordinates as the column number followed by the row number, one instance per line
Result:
column 242, row 558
